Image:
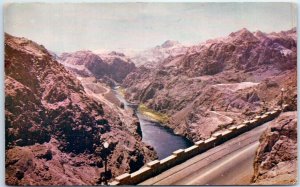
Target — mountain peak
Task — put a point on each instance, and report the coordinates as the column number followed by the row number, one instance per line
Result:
column 169, row 43
column 243, row 34
column 260, row 35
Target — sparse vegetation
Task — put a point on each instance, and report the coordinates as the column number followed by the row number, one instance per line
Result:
column 160, row 117
column 122, row 91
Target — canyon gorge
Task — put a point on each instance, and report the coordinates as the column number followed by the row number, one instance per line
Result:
column 60, row 108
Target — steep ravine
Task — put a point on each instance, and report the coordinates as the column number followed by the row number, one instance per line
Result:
column 154, row 133
column 85, row 64
column 54, row 129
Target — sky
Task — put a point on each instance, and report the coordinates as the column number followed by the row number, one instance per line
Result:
column 138, row 26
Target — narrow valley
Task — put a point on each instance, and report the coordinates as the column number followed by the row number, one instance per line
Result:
column 150, row 93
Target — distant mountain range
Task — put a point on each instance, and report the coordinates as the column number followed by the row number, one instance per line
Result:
column 153, row 56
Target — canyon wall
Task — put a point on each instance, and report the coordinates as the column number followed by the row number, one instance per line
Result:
column 54, row 130
column 111, row 66
column 219, row 82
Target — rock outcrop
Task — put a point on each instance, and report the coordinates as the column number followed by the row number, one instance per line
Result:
column 112, row 66
column 54, row 130
column 219, row 82
column 276, row 158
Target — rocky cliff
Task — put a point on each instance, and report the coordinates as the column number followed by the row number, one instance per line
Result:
column 110, row 66
column 219, row 82
column 54, row 130
column 276, row 158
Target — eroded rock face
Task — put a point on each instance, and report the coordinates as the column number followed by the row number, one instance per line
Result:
column 45, row 164
column 112, row 66
column 54, row 130
column 219, row 82
column 276, row 158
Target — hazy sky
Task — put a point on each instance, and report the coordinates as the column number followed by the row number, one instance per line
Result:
column 117, row 26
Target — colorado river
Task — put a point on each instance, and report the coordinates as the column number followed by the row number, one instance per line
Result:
column 163, row 140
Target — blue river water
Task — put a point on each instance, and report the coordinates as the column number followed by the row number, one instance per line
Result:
column 162, row 139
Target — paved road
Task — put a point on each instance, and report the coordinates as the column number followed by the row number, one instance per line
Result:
column 228, row 164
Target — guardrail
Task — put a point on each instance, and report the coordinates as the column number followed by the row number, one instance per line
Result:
column 156, row 167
